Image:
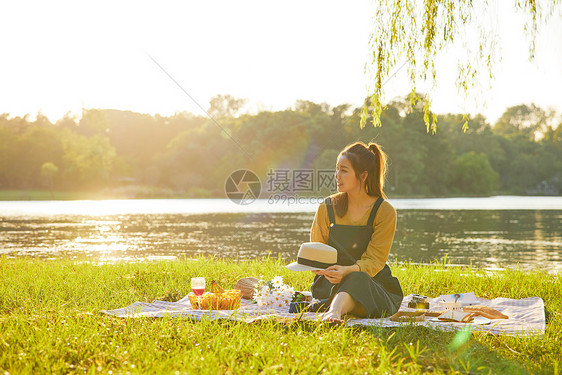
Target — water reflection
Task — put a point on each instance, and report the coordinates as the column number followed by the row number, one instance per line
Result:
column 485, row 238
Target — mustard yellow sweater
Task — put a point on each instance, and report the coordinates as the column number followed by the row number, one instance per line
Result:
column 374, row 258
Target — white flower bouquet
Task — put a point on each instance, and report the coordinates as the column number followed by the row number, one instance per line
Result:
column 273, row 293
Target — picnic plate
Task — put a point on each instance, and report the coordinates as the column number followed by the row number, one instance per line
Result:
column 478, row 320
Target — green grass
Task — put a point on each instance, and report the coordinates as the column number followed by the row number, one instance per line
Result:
column 50, row 323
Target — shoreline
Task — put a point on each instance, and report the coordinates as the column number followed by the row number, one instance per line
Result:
column 436, row 266
column 45, row 195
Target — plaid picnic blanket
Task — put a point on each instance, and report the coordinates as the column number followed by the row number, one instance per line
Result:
column 526, row 316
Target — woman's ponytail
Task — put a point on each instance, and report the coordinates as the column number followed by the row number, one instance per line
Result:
column 380, row 168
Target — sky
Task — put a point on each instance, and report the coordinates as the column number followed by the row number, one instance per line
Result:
column 62, row 56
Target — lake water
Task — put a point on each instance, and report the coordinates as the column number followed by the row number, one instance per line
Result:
column 495, row 232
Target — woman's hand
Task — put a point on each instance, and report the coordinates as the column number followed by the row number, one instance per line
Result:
column 336, row 273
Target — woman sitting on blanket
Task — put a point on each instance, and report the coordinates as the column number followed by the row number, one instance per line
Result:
column 360, row 224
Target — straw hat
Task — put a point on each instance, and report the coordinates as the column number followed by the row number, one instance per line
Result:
column 314, row 256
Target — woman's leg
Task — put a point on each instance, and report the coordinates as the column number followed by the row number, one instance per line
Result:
column 343, row 304
column 370, row 297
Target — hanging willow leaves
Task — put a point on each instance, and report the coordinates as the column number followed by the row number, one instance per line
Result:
column 413, row 33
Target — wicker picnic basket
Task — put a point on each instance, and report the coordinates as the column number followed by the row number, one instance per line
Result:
column 246, row 286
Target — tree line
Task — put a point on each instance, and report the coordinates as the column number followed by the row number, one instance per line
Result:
column 138, row 154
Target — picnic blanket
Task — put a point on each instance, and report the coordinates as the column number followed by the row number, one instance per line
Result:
column 526, row 316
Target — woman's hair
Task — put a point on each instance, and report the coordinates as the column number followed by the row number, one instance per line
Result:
column 370, row 158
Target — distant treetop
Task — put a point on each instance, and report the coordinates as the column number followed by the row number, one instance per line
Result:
column 411, row 33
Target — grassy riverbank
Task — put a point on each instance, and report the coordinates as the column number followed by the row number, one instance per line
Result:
column 126, row 192
column 146, row 192
column 50, row 322
column 42, row 195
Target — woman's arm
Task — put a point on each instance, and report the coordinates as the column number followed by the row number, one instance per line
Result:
column 320, row 231
column 376, row 255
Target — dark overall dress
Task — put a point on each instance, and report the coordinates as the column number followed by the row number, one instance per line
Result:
column 380, row 295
